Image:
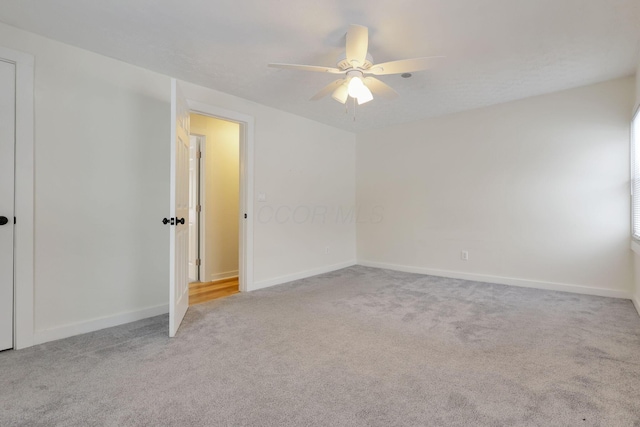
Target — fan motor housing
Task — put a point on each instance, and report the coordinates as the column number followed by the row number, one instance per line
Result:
column 343, row 64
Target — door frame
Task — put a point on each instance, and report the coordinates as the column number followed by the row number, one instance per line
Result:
column 202, row 224
column 246, row 122
column 23, row 249
column 201, row 140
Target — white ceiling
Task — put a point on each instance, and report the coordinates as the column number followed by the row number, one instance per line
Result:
column 496, row 50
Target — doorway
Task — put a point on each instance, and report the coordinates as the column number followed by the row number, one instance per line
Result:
column 214, row 208
column 185, row 99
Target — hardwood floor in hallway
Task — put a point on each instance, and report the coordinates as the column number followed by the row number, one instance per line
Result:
column 200, row 292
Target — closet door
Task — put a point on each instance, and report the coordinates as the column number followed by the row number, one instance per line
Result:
column 7, row 176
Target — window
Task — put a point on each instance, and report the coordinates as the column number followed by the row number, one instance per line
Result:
column 635, row 175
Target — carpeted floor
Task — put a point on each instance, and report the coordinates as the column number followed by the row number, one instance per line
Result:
column 357, row 347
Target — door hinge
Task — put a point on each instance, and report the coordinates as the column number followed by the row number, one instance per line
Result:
column 198, row 261
column 245, row 216
column 199, row 154
column 199, row 208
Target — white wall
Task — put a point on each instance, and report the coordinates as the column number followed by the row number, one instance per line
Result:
column 100, row 149
column 305, row 170
column 102, row 188
column 636, row 256
column 536, row 190
column 222, row 195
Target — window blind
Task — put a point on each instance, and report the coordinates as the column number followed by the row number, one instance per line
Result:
column 635, row 175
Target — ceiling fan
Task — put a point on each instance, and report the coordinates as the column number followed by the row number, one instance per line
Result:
column 357, row 67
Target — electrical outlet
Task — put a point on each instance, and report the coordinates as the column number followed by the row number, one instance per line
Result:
column 464, row 255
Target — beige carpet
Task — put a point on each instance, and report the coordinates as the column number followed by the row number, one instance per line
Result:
column 357, row 347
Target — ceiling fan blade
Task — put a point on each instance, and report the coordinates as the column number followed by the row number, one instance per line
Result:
column 402, row 66
column 341, row 94
column 380, row 88
column 315, row 68
column 328, row 89
column 357, row 44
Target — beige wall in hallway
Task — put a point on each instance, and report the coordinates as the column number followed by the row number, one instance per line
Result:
column 221, row 197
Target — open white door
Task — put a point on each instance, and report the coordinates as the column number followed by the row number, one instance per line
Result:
column 179, row 210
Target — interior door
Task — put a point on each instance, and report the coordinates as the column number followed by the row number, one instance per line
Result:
column 7, row 152
column 179, row 210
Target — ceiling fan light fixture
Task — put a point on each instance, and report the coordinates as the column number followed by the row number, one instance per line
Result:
column 358, row 90
column 341, row 94
column 358, row 70
column 355, row 85
column 364, row 96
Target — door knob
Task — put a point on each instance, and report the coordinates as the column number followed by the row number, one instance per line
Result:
column 3, row 220
column 173, row 221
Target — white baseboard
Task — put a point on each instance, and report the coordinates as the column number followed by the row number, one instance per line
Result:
column 636, row 302
column 300, row 275
column 223, row 275
column 524, row 283
column 97, row 324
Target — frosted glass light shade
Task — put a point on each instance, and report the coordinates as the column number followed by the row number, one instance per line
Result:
column 358, row 90
column 355, row 87
column 341, row 94
column 365, row 96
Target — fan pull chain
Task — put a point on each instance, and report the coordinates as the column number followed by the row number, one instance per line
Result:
column 354, row 109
